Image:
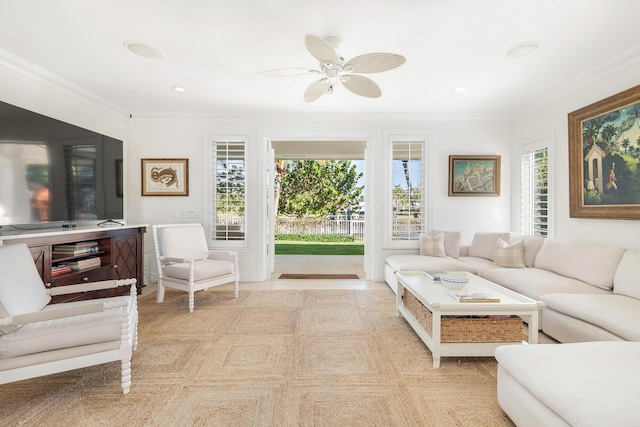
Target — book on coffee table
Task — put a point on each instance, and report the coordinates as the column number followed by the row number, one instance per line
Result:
column 433, row 275
column 463, row 296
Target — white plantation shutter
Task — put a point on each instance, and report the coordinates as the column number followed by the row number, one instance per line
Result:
column 228, row 183
column 407, row 190
column 534, row 203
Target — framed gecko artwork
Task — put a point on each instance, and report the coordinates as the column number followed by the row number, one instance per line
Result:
column 165, row 177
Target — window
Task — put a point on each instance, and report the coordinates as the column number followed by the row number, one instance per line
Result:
column 407, row 190
column 228, row 180
column 534, row 190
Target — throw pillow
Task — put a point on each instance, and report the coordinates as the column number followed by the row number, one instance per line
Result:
column 509, row 255
column 432, row 246
column 451, row 242
column 484, row 244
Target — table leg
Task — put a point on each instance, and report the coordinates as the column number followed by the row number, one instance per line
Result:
column 533, row 328
column 435, row 353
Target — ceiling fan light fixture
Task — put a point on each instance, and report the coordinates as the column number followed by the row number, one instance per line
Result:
column 523, row 49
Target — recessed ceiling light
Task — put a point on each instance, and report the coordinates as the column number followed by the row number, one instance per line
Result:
column 460, row 89
column 179, row 89
column 523, row 49
column 143, row 49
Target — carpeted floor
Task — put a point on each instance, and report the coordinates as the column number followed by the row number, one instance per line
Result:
column 268, row 358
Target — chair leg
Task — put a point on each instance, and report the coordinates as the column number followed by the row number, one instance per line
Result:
column 126, row 375
column 235, row 288
column 191, row 301
column 160, row 292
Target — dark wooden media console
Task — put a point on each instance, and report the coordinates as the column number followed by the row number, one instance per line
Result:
column 115, row 253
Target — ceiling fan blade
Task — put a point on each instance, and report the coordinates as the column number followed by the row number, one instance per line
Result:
column 320, row 49
column 288, row 72
column 317, row 89
column 376, row 62
column 361, row 85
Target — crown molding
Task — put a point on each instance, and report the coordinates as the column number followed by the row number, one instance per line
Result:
column 628, row 59
column 39, row 74
column 314, row 117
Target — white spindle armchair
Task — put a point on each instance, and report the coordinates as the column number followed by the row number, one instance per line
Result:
column 38, row 338
column 186, row 263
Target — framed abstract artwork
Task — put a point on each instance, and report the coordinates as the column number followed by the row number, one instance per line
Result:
column 474, row 176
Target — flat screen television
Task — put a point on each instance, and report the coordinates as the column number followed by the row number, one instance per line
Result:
column 53, row 173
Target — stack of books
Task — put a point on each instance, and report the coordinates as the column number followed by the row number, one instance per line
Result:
column 75, row 249
column 82, row 264
column 59, row 269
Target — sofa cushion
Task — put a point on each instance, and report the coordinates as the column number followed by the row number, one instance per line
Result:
column 85, row 329
column 426, row 263
column 627, row 278
column 615, row 313
column 203, row 269
column 593, row 264
column 184, row 242
column 432, row 245
column 534, row 282
column 21, row 290
column 483, row 244
column 585, row 384
column 451, row 242
column 510, row 255
column 480, row 265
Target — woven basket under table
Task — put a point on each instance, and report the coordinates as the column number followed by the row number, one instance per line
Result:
column 466, row 329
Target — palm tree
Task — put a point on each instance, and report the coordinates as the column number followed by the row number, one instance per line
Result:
column 609, row 132
column 625, row 144
column 590, row 134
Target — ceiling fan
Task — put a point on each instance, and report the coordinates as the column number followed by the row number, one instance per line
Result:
column 335, row 69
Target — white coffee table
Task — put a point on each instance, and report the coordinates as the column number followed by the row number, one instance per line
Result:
column 433, row 296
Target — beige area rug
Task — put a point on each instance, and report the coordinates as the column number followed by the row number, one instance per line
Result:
column 268, row 358
column 318, row 276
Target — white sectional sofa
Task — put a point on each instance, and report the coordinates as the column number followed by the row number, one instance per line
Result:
column 578, row 384
column 591, row 292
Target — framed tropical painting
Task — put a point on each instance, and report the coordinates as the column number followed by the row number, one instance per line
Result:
column 604, row 153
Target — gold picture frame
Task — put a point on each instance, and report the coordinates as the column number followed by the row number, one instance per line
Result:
column 604, row 154
column 165, row 177
column 474, row 176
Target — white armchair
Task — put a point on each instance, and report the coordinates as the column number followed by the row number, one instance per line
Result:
column 186, row 263
column 38, row 338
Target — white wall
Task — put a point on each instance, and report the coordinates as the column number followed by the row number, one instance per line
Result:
column 553, row 119
column 179, row 137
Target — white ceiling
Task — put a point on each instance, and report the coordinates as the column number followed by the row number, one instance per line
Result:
column 216, row 48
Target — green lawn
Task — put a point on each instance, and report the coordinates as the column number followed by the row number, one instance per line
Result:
column 318, row 248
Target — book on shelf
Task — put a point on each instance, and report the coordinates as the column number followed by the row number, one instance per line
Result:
column 75, row 252
column 433, row 275
column 85, row 263
column 59, row 269
column 77, row 245
column 463, row 296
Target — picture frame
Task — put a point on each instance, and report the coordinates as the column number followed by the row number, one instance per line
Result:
column 604, row 157
column 474, row 175
column 165, row 177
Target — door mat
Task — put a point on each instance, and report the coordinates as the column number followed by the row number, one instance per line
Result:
column 318, row 276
